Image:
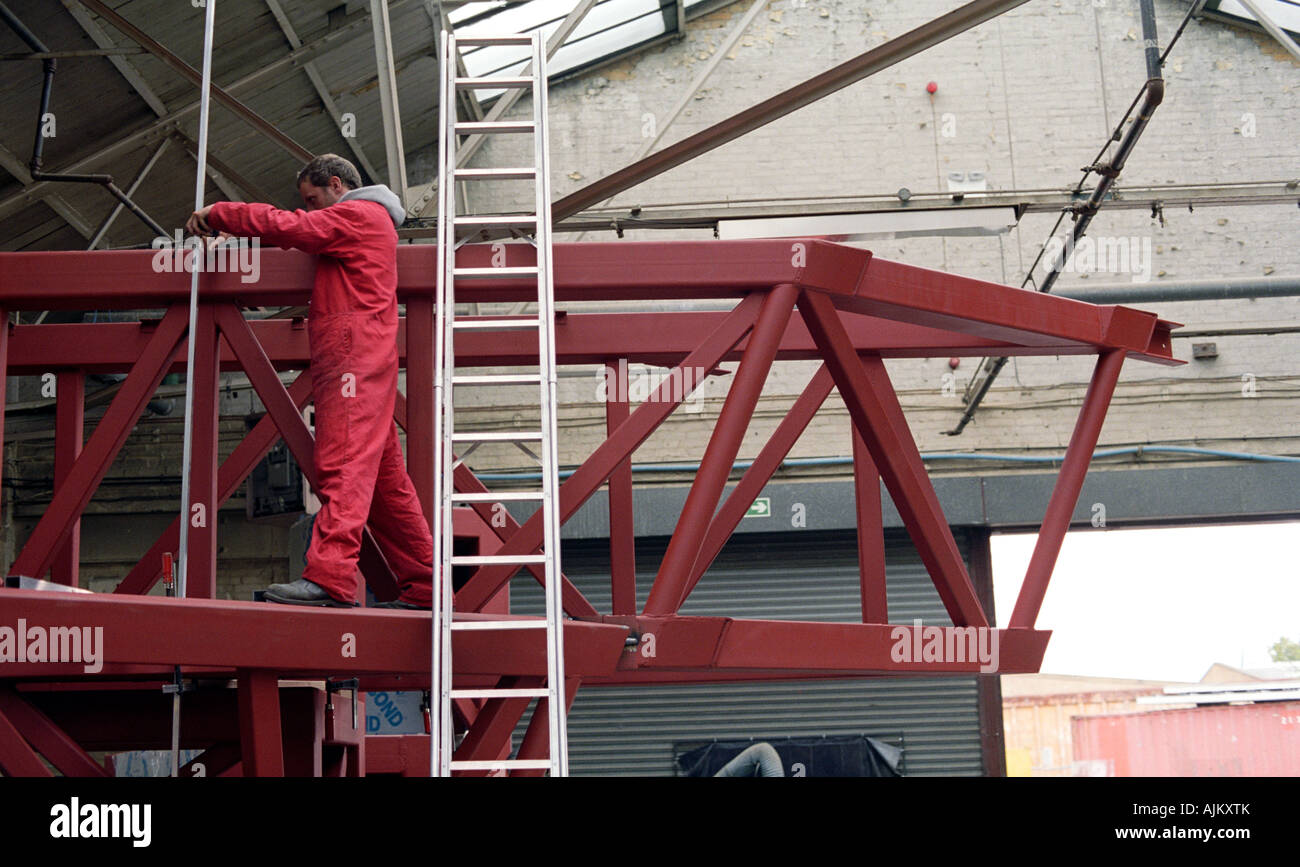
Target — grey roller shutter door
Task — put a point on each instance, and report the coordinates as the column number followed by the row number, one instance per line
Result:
column 790, row 576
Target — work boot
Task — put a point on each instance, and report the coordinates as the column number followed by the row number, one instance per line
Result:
column 303, row 592
column 402, row 605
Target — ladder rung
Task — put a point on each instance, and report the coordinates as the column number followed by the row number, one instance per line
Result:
column 509, row 39
column 497, row 220
column 501, row 693
column 521, row 173
column 498, row 379
column 496, row 436
column 498, row 559
column 502, row 497
column 472, row 625
column 502, row 324
column 484, row 127
column 502, row 764
column 504, row 82
column 511, row 271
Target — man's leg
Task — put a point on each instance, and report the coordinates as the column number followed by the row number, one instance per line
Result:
column 399, row 526
column 353, row 392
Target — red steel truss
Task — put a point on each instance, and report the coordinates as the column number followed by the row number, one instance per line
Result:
column 264, row 710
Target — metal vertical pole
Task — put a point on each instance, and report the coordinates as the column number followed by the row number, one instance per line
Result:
column 439, row 717
column 556, row 707
column 200, row 181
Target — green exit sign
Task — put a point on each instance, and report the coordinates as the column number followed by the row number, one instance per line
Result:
column 762, row 508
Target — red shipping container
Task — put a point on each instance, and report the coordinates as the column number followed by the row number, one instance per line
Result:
column 1247, row 740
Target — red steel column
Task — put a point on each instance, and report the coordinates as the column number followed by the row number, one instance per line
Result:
column 259, row 723
column 1065, row 496
column 622, row 535
column 720, row 455
column 69, row 422
column 419, row 400
column 201, row 570
column 871, row 534
column 4, row 380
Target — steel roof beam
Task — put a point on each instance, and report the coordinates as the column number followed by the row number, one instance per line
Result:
column 881, row 57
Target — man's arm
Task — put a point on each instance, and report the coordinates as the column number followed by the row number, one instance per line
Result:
column 309, row 231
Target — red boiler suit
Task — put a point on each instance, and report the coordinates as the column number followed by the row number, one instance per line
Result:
column 352, row 330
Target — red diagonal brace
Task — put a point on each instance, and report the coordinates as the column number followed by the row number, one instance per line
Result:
column 536, row 743
column 1074, row 469
column 489, row 738
column 596, row 469
column 720, row 454
column 17, row 759
column 234, row 469
column 869, row 397
column 760, row 472
column 111, row 432
column 50, row 740
column 296, row 435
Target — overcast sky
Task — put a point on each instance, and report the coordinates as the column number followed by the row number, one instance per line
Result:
column 1161, row 604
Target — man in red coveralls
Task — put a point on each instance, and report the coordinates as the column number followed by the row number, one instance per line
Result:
column 352, row 329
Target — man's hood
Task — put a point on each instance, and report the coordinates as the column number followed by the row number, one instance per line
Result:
column 381, row 194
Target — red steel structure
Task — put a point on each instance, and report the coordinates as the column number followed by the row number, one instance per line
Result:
column 796, row 299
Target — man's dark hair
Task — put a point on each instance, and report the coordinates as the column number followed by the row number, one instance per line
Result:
column 319, row 171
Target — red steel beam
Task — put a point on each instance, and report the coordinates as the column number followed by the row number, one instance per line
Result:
column 625, row 271
column 786, row 649
column 1065, row 496
column 759, row 473
column 293, row 641
column 871, row 534
column 69, row 428
column 661, row 339
column 870, row 399
column 687, row 540
column 71, row 497
column 622, row 534
column 596, row 469
column 47, row 738
column 234, row 469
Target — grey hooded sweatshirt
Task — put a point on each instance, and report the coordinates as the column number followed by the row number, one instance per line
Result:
column 381, row 194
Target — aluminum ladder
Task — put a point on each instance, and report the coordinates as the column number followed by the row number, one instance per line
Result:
column 454, row 230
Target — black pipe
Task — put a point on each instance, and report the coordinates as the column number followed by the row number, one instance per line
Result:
column 38, row 146
column 1153, row 95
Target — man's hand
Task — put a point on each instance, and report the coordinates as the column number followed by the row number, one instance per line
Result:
column 198, row 223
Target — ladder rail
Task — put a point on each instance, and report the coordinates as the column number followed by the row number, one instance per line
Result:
column 446, row 383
